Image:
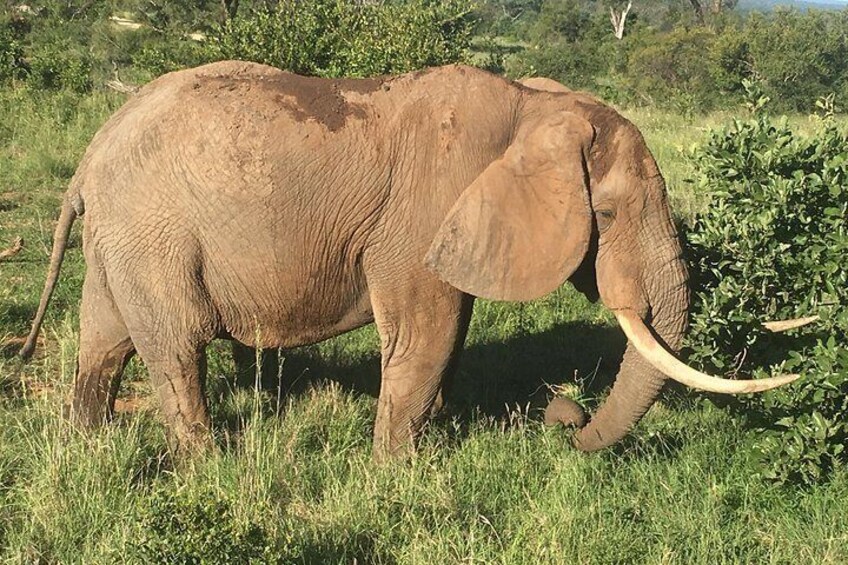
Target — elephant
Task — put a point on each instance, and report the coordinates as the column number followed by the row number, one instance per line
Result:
column 545, row 84
column 235, row 200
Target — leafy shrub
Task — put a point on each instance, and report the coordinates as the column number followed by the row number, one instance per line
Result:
column 797, row 57
column 668, row 69
column 57, row 67
column 12, row 65
column 773, row 245
column 340, row 37
column 568, row 44
column 560, row 20
column 730, row 60
column 572, row 64
column 176, row 17
column 166, row 56
column 185, row 527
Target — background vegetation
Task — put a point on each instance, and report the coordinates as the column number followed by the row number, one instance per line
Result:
column 762, row 201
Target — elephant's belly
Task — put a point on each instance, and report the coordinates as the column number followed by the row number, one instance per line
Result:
column 292, row 313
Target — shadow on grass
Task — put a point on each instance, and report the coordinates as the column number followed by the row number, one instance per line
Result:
column 492, row 378
column 13, row 318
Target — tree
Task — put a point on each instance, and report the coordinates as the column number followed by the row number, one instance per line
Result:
column 229, row 9
column 619, row 19
column 704, row 8
column 566, row 20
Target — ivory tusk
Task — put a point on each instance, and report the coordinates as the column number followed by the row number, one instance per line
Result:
column 645, row 343
column 786, row 325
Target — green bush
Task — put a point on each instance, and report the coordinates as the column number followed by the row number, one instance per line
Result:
column 166, row 56
column 773, row 245
column 58, row 67
column 339, row 37
column 560, row 20
column 730, row 60
column 668, row 69
column 185, row 527
column 12, row 66
column 797, row 57
column 568, row 44
column 573, row 64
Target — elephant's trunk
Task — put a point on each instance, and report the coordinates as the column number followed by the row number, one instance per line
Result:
column 638, row 383
column 647, row 360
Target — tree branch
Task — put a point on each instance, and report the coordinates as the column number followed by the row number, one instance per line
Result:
column 13, row 250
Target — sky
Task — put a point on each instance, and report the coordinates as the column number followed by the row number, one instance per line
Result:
column 838, row 3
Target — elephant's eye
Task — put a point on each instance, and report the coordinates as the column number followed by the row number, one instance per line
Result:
column 604, row 219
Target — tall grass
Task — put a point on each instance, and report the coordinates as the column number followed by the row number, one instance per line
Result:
column 292, row 479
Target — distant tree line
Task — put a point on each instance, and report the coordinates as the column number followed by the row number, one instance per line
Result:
column 691, row 55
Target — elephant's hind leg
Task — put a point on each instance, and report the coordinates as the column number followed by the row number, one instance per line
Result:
column 105, row 349
column 171, row 321
column 179, row 377
column 421, row 335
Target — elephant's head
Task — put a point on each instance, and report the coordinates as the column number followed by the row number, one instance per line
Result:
column 578, row 195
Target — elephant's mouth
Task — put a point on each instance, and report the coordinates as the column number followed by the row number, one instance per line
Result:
column 654, row 353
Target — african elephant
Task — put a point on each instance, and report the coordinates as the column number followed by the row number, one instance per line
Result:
column 238, row 201
column 546, row 84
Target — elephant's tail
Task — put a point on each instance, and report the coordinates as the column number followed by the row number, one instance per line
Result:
column 71, row 208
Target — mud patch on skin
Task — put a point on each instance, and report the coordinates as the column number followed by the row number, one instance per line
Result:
column 320, row 99
column 304, row 98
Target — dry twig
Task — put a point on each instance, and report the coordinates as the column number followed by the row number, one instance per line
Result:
column 13, row 250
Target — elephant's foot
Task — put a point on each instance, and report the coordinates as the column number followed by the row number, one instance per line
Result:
column 86, row 416
column 565, row 411
column 187, row 441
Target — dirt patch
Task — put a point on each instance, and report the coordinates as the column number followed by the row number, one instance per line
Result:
column 130, row 404
column 308, row 98
column 319, row 99
column 360, row 85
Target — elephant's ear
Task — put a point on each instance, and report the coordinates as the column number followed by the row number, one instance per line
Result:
column 522, row 226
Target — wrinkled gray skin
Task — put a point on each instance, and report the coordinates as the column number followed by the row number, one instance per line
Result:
column 238, row 201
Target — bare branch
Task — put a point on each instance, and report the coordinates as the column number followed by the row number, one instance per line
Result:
column 122, row 86
column 13, row 250
column 618, row 20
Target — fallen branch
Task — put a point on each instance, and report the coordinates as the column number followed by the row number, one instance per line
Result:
column 122, row 86
column 13, row 250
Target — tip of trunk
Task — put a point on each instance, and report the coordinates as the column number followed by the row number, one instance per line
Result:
column 565, row 411
column 593, row 441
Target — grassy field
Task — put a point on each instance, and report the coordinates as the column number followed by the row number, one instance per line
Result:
column 293, row 480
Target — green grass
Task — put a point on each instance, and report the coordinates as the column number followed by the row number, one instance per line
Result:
column 293, row 480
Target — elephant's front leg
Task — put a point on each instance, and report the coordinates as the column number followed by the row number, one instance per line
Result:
column 421, row 334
